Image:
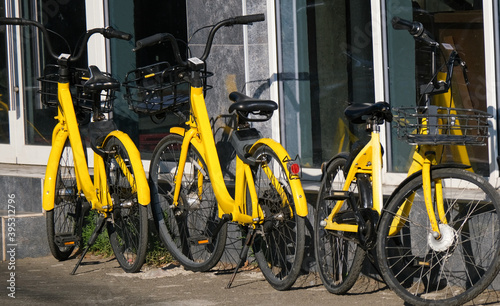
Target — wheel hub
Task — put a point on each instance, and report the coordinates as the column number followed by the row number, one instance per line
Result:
column 447, row 239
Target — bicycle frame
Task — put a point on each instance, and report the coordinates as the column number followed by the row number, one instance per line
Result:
column 368, row 161
column 200, row 136
column 95, row 192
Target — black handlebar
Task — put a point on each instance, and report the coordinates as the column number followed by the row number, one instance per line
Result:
column 108, row 32
column 164, row 37
column 13, row 21
column 415, row 28
column 159, row 38
column 247, row 19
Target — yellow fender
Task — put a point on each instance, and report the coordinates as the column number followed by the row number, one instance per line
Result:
column 49, row 184
column 143, row 193
column 295, row 184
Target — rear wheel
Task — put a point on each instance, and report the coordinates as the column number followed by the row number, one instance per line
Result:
column 279, row 250
column 192, row 230
column 339, row 258
column 128, row 228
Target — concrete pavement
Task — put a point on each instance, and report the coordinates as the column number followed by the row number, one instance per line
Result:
column 45, row 281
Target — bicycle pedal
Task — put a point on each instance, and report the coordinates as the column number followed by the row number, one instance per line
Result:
column 337, row 195
column 65, row 240
column 200, row 240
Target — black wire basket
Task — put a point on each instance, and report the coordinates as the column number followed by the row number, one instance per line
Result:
column 81, row 100
column 158, row 88
column 434, row 125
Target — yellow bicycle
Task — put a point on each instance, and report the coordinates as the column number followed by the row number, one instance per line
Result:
column 437, row 239
column 119, row 191
column 190, row 199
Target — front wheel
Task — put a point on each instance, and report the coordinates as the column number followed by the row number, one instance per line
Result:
column 279, row 250
column 457, row 266
column 339, row 257
column 192, row 230
column 64, row 221
column 128, row 226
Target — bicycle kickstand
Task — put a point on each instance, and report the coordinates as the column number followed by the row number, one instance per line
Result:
column 243, row 255
column 98, row 229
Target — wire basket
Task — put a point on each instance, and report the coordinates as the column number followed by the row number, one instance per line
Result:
column 434, row 125
column 81, row 100
column 158, row 88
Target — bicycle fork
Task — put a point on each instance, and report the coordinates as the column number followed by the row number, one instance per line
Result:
column 404, row 210
column 438, row 196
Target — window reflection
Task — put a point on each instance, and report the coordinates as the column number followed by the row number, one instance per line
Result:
column 458, row 23
column 68, row 20
column 326, row 62
column 142, row 19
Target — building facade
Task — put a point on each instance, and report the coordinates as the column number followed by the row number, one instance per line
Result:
column 313, row 57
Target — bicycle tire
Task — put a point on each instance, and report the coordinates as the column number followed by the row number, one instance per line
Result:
column 63, row 222
column 279, row 250
column 339, row 259
column 187, row 229
column 128, row 227
column 463, row 262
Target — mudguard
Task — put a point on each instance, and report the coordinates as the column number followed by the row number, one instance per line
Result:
column 295, row 184
column 143, row 193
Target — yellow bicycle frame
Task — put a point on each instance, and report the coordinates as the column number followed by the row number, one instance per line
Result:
column 95, row 192
column 200, row 136
column 368, row 161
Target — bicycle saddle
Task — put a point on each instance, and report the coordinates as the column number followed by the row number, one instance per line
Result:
column 360, row 112
column 245, row 105
column 99, row 81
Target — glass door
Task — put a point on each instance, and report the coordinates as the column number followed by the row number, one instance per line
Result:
column 25, row 123
column 7, row 103
column 455, row 24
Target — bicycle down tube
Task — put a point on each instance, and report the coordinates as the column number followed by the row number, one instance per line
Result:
column 369, row 161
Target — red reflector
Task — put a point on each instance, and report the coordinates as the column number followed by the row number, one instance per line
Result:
column 295, row 168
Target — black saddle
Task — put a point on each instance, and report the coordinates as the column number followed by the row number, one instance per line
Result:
column 245, row 106
column 360, row 112
column 99, row 81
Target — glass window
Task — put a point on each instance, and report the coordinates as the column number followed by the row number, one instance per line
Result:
column 326, row 62
column 457, row 23
column 4, row 82
column 142, row 19
column 62, row 17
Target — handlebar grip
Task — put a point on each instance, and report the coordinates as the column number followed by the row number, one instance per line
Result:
column 13, row 21
column 110, row 32
column 401, row 24
column 414, row 27
column 247, row 19
column 149, row 41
